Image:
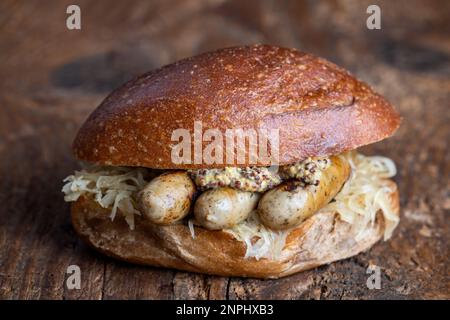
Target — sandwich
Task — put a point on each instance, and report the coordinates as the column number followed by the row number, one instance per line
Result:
column 238, row 162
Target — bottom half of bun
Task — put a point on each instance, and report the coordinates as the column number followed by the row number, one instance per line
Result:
column 321, row 239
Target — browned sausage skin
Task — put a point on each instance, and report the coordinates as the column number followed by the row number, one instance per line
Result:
column 293, row 201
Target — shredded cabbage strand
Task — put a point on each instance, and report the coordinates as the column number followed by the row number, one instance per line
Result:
column 112, row 187
column 362, row 196
column 268, row 244
column 365, row 193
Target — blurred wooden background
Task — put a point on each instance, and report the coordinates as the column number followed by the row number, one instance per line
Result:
column 52, row 78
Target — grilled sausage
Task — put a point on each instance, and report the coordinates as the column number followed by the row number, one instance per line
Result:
column 290, row 203
column 167, row 198
column 224, row 208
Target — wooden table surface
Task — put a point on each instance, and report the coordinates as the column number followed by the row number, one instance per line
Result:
column 52, row 78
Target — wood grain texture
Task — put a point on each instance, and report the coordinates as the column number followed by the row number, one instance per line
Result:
column 52, row 78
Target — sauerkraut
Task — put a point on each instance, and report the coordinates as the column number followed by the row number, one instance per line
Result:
column 111, row 187
column 260, row 241
column 364, row 194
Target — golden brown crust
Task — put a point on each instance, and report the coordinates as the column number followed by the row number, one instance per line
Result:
column 319, row 108
column 321, row 239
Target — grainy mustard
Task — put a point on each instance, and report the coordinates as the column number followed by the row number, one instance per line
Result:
column 259, row 179
column 308, row 171
column 255, row 179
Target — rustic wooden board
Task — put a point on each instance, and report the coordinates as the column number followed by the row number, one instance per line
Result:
column 51, row 78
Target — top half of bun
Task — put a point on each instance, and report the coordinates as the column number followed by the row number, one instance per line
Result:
column 319, row 108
